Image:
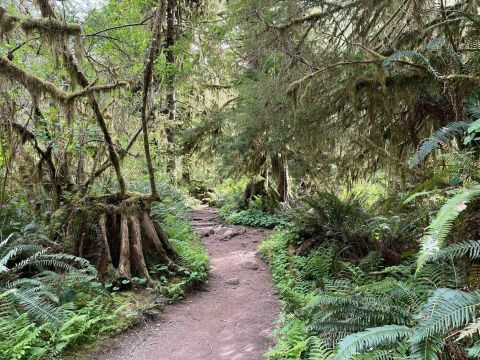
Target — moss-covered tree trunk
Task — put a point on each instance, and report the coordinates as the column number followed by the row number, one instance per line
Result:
column 170, row 98
column 118, row 235
column 280, row 173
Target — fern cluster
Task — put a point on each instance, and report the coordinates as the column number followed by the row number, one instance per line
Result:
column 366, row 310
column 50, row 301
column 254, row 215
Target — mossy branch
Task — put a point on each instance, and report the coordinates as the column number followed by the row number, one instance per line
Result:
column 7, row 23
column 293, row 87
column 49, row 25
column 37, row 86
column 316, row 16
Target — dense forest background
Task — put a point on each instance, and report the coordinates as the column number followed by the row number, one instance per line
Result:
column 349, row 126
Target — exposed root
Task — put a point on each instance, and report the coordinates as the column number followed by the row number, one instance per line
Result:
column 137, row 249
column 124, row 267
column 117, row 234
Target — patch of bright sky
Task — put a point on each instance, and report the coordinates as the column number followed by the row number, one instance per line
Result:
column 80, row 8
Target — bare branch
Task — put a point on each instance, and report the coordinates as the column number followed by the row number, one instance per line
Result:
column 96, row 33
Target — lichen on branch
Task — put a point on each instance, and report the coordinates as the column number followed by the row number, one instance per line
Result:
column 39, row 87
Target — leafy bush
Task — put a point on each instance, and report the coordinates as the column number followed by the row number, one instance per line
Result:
column 229, row 192
column 254, row 217
column 324, row 217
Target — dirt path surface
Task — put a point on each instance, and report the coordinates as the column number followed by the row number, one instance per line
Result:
column 232, row 318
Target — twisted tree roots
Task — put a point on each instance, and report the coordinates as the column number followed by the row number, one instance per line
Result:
column 119, row 237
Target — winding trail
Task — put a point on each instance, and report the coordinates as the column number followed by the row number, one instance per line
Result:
column 231, row 318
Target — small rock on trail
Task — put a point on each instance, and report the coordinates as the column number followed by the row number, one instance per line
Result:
column 250, row 265
column 233, row 281
column 224, row 321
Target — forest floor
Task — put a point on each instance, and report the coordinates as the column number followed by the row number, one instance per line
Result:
column 230, row 318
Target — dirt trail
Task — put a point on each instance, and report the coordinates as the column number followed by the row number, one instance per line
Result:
column 230, row 319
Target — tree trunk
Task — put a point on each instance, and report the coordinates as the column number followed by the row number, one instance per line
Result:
column 280, row 173
column 137, row 249
column 147, row 81
column 124, row 270
column 171, row 108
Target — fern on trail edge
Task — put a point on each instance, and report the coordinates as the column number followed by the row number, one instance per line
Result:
column 370, row 338
column 339, row 310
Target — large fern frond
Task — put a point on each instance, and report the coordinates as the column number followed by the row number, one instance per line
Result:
column 428, row 349
column 474, row 351
column 317, row 350
column 440, row 138
column 371, row 339
column 34, row 305
column 438, row 230
column 468, row 248
column 445, row 311
column 412, row 55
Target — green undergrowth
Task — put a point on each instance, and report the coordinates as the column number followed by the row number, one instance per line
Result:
column 193, row 257
column 251, row 217
column 342, row 309
column 52, row 304
column 255, row 214
column 259, row 212
column 80, row 315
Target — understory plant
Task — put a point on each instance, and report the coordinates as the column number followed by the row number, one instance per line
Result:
column 50, row 302
column 255, row 214
column 192, row 254
column 339, row 307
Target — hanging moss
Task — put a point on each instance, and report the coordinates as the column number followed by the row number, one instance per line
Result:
column 7, row 24
column 50, row 27
column 38, row 87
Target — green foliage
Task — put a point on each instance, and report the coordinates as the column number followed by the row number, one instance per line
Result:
column 413, row 56
column 370, row 338
column 440, row 227
column 444, row 311
column 193, row 257
column 90, row 315
column 467, row 248
column 34, row 295
column 254, row 217
column 365, row 310
column 325, row 217
column 440, row 138
column 293, row 340
column 256, row 214
column 47, row 305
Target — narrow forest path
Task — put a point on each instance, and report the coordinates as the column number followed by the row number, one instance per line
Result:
column 232, row 318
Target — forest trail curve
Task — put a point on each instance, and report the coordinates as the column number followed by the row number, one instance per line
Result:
column 232, row 318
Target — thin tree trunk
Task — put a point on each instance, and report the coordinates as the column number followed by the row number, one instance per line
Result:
column 124, row 270
column 137, row 249
column 170, row 57
column 147, row 81
column 154, row 240
column 280, row 172
column 107, row 266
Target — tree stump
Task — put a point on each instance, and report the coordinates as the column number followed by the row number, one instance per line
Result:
column 118, row 236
